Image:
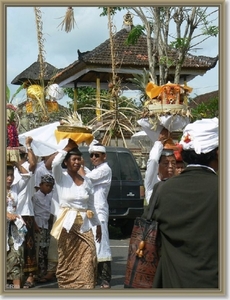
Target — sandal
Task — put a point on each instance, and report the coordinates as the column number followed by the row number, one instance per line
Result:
column 105, row 285
column 47, row 278
column 28, row 285
column 29, row 282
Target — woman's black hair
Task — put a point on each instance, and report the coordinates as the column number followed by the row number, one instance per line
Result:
column 191, row 157
column 74, row 151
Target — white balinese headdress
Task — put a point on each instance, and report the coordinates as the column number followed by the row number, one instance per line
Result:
column 93, row 147
column 201, row 136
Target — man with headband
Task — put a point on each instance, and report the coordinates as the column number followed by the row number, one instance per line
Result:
column 187, row 212
column 101, row 177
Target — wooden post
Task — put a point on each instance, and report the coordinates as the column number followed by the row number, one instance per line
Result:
column 185, row 95
column 75, row 97
column 98, row 100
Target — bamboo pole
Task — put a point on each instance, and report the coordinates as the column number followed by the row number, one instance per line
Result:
column 98, row 101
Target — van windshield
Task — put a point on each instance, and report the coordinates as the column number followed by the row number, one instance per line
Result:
column 122, row 164
column 128, row 167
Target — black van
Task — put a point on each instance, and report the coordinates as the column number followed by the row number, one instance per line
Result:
column 126, row 196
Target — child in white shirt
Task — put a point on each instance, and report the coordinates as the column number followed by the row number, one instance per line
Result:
column 42, row 215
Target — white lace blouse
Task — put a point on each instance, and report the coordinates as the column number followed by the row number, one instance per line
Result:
column 75, row 198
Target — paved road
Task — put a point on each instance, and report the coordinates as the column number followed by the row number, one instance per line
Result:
column 119, row 248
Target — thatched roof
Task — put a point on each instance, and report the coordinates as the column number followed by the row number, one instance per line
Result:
column 31, row 74
column 130, row 59
column 203, row 98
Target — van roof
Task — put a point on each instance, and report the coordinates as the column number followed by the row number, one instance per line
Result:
column 109, row 149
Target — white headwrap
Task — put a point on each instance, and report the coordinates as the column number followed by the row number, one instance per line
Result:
column 201, row 136
column 94, row 148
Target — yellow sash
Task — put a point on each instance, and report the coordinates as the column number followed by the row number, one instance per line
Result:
column 58, row 224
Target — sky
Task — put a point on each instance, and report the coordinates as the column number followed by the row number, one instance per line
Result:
column 61, row 48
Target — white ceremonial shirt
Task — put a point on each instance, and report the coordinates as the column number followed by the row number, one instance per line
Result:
column 25, row 206
column 73, row 197
column 41, row 171
column 101, row 177
column 151, row 174
column 42, row 204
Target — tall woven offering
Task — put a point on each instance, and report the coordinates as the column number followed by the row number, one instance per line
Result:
column 13, row 147
column 167, row 103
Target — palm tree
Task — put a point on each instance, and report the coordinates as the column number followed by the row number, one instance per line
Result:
column 141, row 81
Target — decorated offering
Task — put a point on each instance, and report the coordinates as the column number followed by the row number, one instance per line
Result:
column 12, row 134
column 167, row 106
column 73, row 123
column 38, row 98
column 72, row 127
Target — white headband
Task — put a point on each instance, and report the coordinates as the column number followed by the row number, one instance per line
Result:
column 201, row 136
column 93, row 147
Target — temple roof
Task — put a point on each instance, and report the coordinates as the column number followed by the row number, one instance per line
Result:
column 129, row 59
column 32, row 73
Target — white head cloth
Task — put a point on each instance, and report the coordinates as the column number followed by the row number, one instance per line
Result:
column 94, row 148
column 201, row 136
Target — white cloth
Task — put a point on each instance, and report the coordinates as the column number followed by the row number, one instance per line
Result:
column 44, row 141
column 11, row 207
column 151, row 174
column 170, row 122
column 174, row 122
column 42, row 203
column 141, row 138
column 72, row 196
column 146, row 126
column 101, row 177
column 201, row 136
column 94, row 148
column 55, row 92
column 25, row 206
column 103, row 248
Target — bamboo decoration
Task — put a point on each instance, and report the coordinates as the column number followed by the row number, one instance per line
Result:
column 41, row 51
column 111, row 34
column 69, row 21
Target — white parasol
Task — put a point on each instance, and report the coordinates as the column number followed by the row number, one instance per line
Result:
column 141, row 139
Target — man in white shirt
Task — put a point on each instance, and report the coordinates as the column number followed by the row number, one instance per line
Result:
column 101, row 177
column 161, row 163
column 25, row 209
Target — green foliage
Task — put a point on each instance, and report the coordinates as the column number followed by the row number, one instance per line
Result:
column 86, row 98
column 210, row 30
column 134, row 35
column 11, row 118
column 7, row 94
column 209, row 109
column 164, row 60
column 179, row 43
column 8, row 100
column 86, row 102
column 140, row 81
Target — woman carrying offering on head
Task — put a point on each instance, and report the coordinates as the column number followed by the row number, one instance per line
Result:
column 77, row 259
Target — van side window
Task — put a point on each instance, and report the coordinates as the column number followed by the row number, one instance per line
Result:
column 111, row 158
column 128, row 167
